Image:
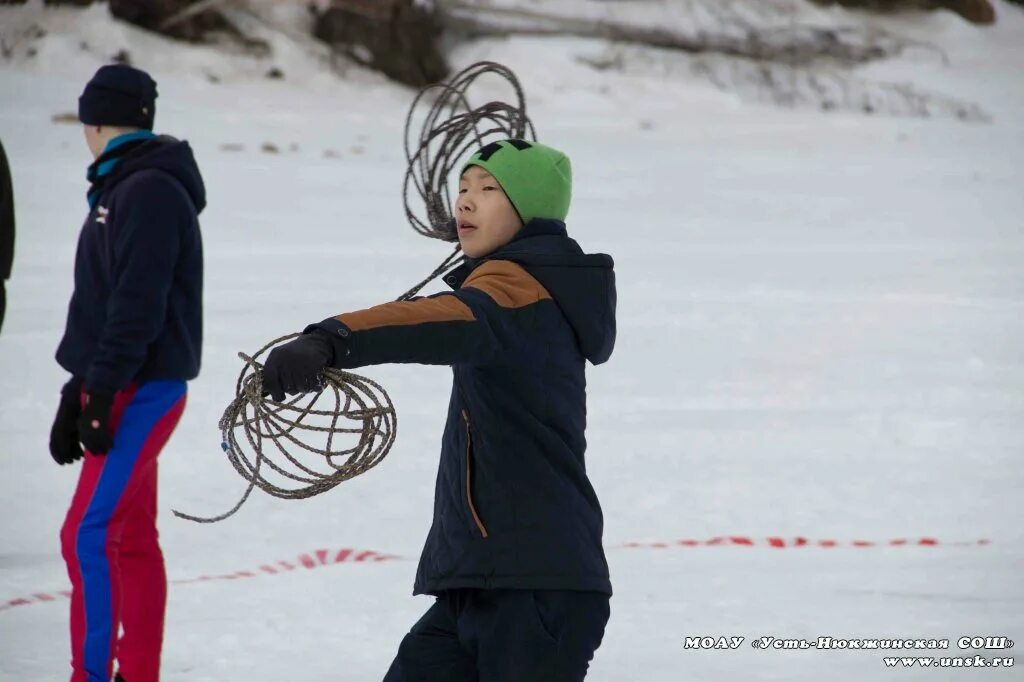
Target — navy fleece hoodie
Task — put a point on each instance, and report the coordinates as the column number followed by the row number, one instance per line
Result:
column 136, row 311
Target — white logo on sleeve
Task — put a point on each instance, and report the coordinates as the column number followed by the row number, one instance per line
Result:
column 101, row 214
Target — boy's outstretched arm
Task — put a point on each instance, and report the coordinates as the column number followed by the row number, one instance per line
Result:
column 475, row 324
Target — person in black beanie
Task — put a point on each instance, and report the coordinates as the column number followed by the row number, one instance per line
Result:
column 132, row 341
column 6, row 230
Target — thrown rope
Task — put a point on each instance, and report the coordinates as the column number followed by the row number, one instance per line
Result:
column 361, row 407
column 445, row 141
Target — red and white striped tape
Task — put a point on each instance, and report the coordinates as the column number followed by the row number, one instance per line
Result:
column 309, row 560
column 324, row 557
column 780, row 542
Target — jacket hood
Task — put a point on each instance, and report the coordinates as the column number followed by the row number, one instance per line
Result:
column 581, row 284
column 169, row 155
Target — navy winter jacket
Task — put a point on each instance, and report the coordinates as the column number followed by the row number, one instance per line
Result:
column 136, row 311
column 513, row 506
column 6, row 218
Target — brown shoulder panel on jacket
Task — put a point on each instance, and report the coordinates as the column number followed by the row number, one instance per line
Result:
column 507, row 283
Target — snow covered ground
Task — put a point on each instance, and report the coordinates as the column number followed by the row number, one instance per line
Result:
column 820, row 321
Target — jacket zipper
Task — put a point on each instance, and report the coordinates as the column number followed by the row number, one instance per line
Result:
column 469, row 476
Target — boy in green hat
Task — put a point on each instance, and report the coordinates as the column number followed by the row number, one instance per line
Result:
column 514, row 556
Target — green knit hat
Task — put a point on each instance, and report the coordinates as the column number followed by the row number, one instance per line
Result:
column 536, row 178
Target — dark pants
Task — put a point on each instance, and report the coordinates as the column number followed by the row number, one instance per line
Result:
column 3, row 303
column 471, row 635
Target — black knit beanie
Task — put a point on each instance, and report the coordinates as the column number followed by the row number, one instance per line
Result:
column 119, row 95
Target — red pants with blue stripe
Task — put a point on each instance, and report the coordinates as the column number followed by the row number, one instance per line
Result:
column 109, row 542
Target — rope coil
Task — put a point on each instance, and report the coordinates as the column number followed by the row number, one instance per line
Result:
column 361, row 407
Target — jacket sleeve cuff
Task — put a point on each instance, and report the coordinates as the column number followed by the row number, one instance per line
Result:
column 98, row 386
column 73, row 388
column 338, row 335
column 100, row 394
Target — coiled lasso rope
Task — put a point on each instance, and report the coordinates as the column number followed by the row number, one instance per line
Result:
column 277, row 460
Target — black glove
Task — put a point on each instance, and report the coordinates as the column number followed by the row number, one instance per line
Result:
column 64, row 445
column 94, row 423
column 298, row 366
